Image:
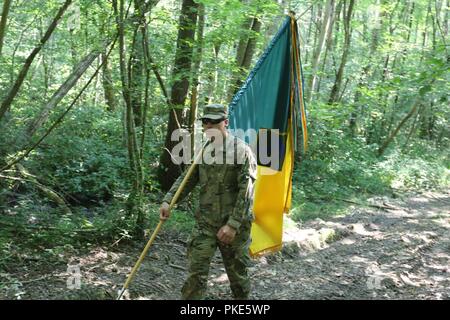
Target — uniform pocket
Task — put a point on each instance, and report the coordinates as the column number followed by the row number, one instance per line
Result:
column 231, row 174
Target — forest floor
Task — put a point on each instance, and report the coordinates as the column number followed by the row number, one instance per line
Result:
column 392, row 249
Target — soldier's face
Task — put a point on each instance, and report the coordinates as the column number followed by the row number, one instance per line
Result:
column 215, row 129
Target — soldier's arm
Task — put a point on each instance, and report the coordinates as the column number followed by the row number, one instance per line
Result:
column 190, row 184
column 246, row 179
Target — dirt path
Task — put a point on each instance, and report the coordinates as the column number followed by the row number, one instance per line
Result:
column 400, row 251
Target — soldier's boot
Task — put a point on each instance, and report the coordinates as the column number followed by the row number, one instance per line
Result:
column 194, row 288
column 201, row 249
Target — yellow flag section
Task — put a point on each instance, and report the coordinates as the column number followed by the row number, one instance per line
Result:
column 271, row 200
column 271, row 101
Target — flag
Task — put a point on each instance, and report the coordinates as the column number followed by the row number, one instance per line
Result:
column 271, row 102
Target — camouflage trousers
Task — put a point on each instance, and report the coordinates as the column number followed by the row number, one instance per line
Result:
column 201, row 250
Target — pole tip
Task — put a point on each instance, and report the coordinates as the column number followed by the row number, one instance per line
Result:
column 123, row 294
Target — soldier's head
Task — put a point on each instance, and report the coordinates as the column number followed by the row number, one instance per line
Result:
column 215, row 120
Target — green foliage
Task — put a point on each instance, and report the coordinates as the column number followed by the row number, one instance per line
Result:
column 85, row 158
column 419, row 168
column 338, row 168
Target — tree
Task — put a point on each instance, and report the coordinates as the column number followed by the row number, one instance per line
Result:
column 326, row 24
column 168, row 171
column 3, row 20
column 196, row 71
column 334, row 95
column 6, row 103
column 244, row 54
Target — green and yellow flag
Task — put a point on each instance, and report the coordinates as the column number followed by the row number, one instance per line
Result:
column 271, row 103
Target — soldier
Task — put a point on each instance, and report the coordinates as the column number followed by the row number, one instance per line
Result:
column 224, row 216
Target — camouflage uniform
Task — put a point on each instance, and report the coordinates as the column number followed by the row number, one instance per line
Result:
column 226, row 195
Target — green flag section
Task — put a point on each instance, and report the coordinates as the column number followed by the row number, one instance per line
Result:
column 271, row 103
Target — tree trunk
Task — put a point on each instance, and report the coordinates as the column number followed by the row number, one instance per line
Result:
column 212, row 76
column 375, row 39
column 168, row 171
column 134, row 201
column 348, row 32
column 251, row 46
column 326, row 24
column 427, row 122
column 137, row 75
column 397, row 129
column 148, row 67
column 61, row 92
column 4, row 19
column 196, row 72
column 6, row 103
column 328, row 49
column 108, row 87
column 425, row 31
column 308, row 35
column 244, row 55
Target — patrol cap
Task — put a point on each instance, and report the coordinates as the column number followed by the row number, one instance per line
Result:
column 214, row 112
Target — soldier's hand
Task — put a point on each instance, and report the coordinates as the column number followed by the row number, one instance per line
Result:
column 164, row 211
column 226, row 234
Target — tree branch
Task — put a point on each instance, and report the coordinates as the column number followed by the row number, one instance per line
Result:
column 6, row 103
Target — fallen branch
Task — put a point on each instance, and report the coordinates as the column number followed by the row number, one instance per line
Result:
column 14, row 225
column 49, row 193
column 383, row 207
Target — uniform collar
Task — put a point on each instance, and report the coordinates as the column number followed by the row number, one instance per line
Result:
column 228, row 143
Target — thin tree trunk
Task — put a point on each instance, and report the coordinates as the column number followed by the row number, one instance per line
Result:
column 244, row 54
column 196, row 72
column 394, row 133
column 209, row 88
column 4, row 19
column 425, row 31
column 137, row 66
column 375, row 39
column 348, row 33
column 328, row 49
column 134, row 201
column 154, row 68
column 44, row 63
column 418, row 101
column 251, row 45
column 413, row 128
column 148, row 68
column 168, row 171
column 61, row 92
column 108, row 87
column 326, row 24
column 6, row 103
column 97, row 86
column 308, row 35
column 73, row 49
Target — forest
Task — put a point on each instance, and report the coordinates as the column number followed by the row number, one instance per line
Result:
column 91, row 91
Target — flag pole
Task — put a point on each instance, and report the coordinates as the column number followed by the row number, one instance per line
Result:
column 152, row 238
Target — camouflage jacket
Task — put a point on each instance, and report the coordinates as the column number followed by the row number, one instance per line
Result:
column 226, row 177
